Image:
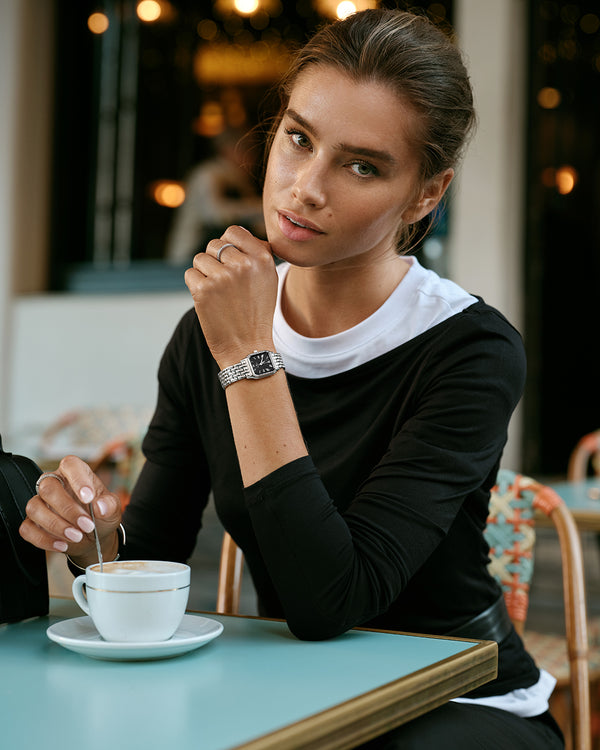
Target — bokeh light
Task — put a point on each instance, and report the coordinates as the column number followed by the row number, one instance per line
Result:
column 246, row 6
column 98, row 23
column 566, row 179
column 345, row 9
column 168, row 193
column 590, row 23
column 208, row 29
column 149, row 10
column 549, row 97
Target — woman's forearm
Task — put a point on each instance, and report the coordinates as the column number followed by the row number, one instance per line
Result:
column 265, row 427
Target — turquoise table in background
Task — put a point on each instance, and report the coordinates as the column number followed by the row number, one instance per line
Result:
column 583, row 500
column 253, row 687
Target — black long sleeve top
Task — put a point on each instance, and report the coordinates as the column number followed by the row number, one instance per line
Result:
column 382, row 524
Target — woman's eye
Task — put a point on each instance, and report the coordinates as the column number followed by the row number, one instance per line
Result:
column 363, row 169
column 298, row 138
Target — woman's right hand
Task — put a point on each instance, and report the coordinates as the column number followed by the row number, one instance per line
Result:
column 58, row 517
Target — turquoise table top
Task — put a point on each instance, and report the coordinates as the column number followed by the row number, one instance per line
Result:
column 583, row 500
column 253, row 686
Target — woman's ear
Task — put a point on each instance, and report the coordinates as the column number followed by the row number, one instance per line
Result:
column 431, row 195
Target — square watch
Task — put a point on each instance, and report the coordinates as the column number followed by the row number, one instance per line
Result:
column 255, row 366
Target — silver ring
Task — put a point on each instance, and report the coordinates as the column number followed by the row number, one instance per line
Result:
column 43, row 476
column 227, row 244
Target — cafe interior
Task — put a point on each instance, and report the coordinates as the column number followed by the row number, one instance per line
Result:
column 123, row 120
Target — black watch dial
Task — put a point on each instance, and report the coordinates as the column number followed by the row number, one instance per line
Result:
column 261, row 364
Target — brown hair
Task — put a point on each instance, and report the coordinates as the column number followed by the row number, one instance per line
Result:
column 416, row 60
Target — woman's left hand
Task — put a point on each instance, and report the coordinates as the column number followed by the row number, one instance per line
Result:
column 235, row 297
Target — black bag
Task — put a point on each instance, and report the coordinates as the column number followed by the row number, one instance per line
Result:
column 23, row 572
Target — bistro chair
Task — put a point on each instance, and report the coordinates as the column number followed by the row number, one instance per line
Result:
column 230, row 577
column 584, row 462
column 510, row 532
column 585, row 457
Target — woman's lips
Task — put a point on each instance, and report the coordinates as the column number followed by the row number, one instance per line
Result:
column 294, row 227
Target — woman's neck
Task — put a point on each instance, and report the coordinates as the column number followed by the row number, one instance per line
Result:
column 322, row 301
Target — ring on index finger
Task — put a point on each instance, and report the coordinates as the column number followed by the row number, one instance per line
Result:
column 44, row 476
column 227, row 244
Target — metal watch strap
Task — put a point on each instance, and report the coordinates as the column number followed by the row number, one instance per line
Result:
column 243, row 370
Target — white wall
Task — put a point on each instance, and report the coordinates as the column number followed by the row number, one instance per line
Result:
column 72, row 351
column 487, row 217
column 26, row 94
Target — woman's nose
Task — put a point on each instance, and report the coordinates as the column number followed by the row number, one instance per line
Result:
column 309, row 185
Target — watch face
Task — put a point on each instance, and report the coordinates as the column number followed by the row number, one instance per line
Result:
column 261, row 363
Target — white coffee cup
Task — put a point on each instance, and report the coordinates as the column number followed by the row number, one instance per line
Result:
column 134, row 601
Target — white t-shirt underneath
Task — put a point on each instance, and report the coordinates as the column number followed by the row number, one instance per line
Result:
column 420, row 301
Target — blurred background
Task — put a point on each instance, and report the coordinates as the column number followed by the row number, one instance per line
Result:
column 122, row 120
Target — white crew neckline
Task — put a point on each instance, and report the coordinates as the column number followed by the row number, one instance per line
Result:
column 421, row 300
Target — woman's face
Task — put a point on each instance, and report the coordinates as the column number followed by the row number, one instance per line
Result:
column 341, row 174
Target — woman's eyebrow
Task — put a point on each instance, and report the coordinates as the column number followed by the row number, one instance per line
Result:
column 300, row 120
column 372, row 153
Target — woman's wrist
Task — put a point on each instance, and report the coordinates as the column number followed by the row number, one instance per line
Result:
column 234, row 355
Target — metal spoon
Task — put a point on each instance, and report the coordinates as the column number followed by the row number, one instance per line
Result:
column 98, row 548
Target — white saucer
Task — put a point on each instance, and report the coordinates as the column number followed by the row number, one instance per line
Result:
column 80, row 635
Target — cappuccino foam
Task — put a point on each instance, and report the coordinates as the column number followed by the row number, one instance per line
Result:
column 138, row 567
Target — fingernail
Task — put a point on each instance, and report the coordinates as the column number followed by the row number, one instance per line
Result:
column 86, row 494
column 60, row 546
column 101, row 507
column 73, row 534
column 85, row 524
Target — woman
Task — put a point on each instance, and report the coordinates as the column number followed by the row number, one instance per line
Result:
column 356, row 480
